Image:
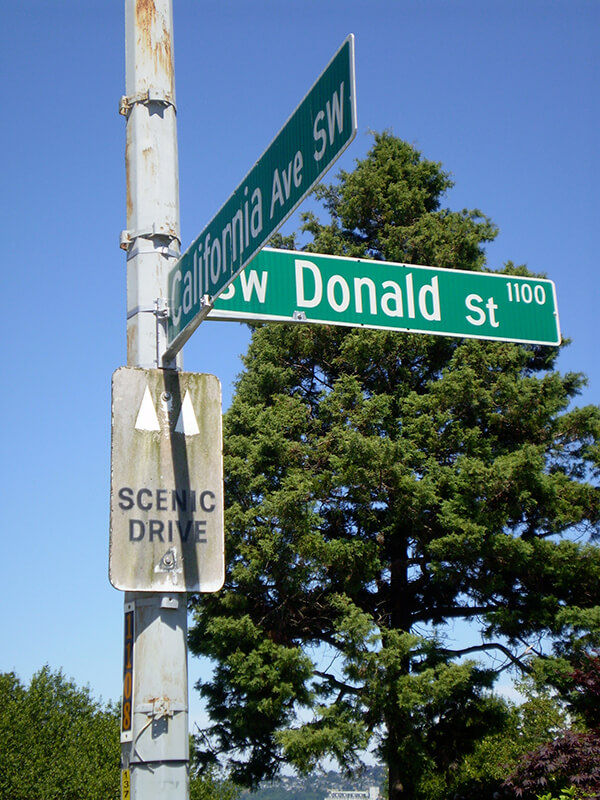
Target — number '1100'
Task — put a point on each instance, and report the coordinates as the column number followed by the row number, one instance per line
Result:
column 523, row 293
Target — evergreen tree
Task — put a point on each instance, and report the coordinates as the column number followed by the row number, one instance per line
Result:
column 56, row 741
column 381, row 488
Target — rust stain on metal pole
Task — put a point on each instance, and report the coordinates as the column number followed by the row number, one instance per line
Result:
column 164, row 56
column 155, row 39
column 128, row 176
column 145, row 14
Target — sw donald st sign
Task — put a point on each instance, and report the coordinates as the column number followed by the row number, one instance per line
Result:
column 315, row 135
column 283, row 286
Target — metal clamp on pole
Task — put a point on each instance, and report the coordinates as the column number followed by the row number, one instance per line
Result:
column 145, row 98
column 161, row 309
column 129, row 238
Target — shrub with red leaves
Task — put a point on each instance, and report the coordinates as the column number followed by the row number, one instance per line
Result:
column 571, row 760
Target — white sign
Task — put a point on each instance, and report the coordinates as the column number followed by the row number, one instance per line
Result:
column 166, row 521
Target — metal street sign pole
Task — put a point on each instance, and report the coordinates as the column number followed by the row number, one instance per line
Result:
column 154, row 738
column 315, row 135
column 286, row 286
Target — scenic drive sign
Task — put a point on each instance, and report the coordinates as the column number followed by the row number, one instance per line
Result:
column 283, row 286
column 317, row 132
column 166, row 514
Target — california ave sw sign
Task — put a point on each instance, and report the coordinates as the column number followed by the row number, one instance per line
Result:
column 311, row 140
column 166, row 514
column 283, row 285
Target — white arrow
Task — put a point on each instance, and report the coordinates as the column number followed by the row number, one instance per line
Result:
column 146, row 418
column 187, row 422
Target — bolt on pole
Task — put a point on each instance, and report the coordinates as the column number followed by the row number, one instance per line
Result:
column 154, row 743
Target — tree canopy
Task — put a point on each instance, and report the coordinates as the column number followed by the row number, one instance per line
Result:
column 56, row 741
column 382, row 489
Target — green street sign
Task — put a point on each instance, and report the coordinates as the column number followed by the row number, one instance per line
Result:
column 318, row 131
column 286, row 286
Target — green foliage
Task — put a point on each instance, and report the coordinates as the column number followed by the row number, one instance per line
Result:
column 565, row 794
column 569, row 761
column 527, row 726
column 380, row 487
column 211, row 786
column 57, row 743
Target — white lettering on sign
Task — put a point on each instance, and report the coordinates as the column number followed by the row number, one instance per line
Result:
column 250, row 284
column 341, row 294
column 429, row 301
column 289, row 286
column 524, row 293
column 301, row 299
column 473, row 303
column 318, row 131
column 359, row 285
column 334, row 112
column 281, row 194
column 215, row 257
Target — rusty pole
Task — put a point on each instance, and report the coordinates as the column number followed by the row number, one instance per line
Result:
column 155, row 750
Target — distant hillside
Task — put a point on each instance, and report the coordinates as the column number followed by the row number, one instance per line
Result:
column 315, row 786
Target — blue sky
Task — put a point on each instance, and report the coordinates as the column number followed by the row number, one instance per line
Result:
column 504, row 93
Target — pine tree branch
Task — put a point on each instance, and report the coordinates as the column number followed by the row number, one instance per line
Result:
column 484, row 648
column 451, row 612
column 334, row 682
